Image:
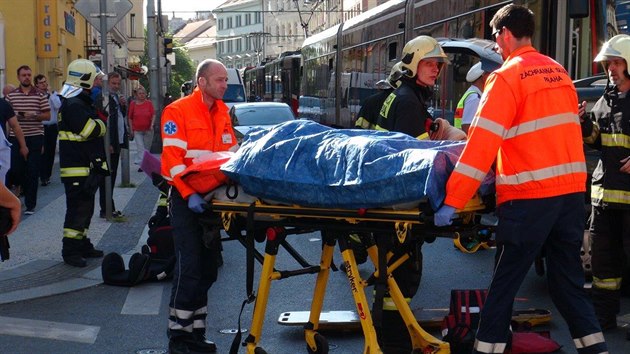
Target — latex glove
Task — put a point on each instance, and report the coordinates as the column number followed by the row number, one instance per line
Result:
column 444, row 216
column 196, row 203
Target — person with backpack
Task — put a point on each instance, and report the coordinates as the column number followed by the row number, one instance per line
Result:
column 528, row 122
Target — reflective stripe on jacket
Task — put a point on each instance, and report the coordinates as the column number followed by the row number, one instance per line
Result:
column 405, row 110
column 80, row 137
column 190, row 130
column 459, row 111
column 608, row 130
column 528, row 122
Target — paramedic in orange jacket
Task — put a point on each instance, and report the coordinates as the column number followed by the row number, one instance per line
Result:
column 528, row 122
column 192, row 126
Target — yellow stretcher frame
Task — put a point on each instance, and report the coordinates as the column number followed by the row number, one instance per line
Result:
column 277, row 217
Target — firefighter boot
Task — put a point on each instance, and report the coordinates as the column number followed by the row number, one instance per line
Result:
column 606, row 304
column 89, row 251
column 72, row 252
column 393, row 336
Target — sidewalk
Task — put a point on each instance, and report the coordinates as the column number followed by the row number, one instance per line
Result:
column 36, row 268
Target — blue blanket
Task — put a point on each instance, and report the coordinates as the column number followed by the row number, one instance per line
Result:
column 302, row 162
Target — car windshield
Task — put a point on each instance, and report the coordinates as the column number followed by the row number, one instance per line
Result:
column 263, row 116
column 234, row 93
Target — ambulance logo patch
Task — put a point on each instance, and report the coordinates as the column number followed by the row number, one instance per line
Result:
column 170, row 128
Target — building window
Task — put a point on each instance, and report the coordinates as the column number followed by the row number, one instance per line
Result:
column 132, row 25
column 248, row 19
column 229, row 22
column 258, row 18
column 221, row 48
column 230, row 47
column 239, row 45
column 238, row 21
column 220, row 24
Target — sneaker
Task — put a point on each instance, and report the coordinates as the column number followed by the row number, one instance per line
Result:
column 29, row 212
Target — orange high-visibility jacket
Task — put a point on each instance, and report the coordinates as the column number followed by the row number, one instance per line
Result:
column 528, row 122
column 189, row 130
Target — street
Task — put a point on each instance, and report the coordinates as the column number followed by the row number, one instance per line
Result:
column 79, row 314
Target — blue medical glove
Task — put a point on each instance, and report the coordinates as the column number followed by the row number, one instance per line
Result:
column 196, row 203
column 444, row 216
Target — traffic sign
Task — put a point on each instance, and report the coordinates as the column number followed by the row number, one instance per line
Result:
column 115, row 10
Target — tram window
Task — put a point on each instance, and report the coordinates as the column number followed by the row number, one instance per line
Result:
column 392, row 50
column 578, row 8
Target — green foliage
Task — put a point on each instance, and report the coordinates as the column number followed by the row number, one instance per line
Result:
column 182, row 71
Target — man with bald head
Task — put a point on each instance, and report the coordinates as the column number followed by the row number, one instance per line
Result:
column 193, row 126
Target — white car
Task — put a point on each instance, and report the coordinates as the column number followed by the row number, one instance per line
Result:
column 246, row 116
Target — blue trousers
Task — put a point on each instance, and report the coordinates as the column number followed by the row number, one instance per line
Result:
column 526, row 227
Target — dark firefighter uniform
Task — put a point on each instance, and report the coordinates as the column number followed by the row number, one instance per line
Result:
column 370, row 110
column 608, row 130
column 408, row 100
column 82, row 162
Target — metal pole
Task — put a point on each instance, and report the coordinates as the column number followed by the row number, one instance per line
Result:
column 153, row 64
column 104, row 65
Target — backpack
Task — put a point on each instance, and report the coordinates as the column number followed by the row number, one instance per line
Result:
column 460, row 325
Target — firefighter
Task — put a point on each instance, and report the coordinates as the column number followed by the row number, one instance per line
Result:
column 528, row 122
column 194, row 125
column 371, row 107
column 405, row 110
column 81, row 158
column 604, row 129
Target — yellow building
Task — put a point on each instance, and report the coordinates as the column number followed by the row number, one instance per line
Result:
column 43, row 34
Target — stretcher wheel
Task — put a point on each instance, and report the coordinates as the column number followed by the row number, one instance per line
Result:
column 322, row 345
column 259, row 350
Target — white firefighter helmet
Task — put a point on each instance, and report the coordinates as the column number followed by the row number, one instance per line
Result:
column 80, row 75
column 421, row 47
column 617, row 46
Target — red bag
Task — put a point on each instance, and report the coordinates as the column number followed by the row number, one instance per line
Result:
column 205, row 173
column 532, row 342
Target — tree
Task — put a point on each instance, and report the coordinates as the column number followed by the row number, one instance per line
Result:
column 182, row 71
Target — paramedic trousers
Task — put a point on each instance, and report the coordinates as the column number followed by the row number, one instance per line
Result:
column 610, row 235
column 526, row 227
column 195, row 271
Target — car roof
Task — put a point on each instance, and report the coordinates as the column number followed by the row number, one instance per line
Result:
column 481, row 48
column 261, row 104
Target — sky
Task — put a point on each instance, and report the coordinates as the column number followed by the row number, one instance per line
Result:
column 186, row 8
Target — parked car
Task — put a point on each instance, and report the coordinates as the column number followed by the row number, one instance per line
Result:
column 590, row 89
column 247, row 116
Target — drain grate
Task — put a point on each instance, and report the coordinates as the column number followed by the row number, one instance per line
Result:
column 232, row 330
column 151, row 351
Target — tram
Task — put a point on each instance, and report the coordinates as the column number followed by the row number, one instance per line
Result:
column 277, row 80
column 341, row 64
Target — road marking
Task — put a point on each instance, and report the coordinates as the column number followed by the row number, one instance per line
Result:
column 144, row 299
column 49, row 330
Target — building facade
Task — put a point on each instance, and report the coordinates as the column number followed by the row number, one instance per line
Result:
column 48, row 34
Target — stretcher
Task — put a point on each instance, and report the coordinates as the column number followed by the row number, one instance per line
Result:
column 272, row 224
